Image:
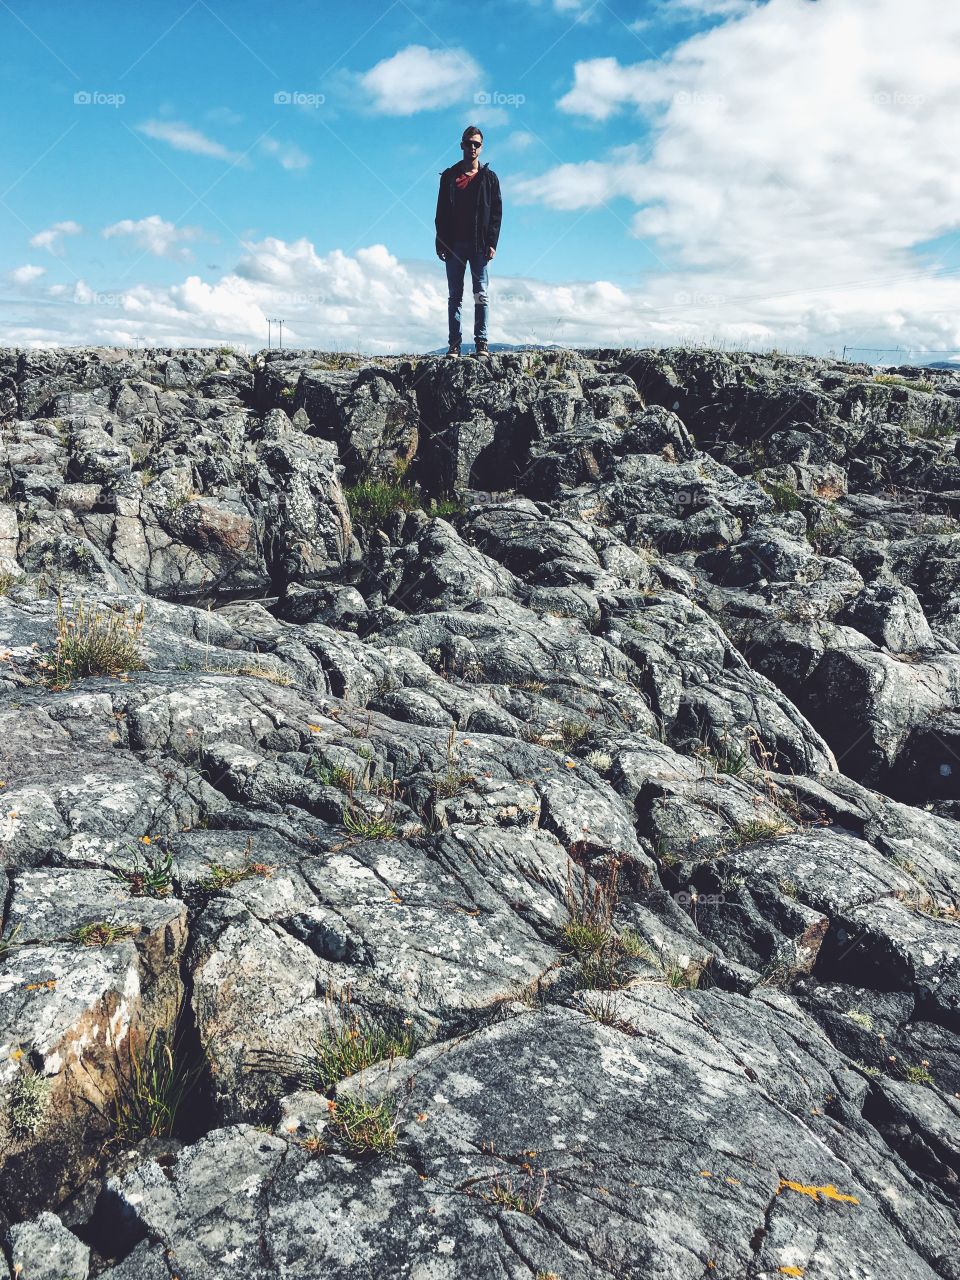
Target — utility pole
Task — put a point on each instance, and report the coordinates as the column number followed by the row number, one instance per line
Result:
column 269, row 323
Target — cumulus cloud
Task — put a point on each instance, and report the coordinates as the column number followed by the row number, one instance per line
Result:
column 52, row 238
column 185, row 137
column 26, row 274
column 158, row 237
column 802, row 150
column 420, row 79
column 368, row 300
column 373, row 301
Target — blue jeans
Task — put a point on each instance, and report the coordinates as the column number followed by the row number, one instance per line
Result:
column 456, row 265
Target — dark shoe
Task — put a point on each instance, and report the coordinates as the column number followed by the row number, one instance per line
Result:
column 480, row 348
column 454, row 349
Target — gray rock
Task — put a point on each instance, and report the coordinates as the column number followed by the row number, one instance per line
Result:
column 45, row 1250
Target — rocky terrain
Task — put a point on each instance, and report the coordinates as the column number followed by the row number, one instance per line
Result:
column 478, row 818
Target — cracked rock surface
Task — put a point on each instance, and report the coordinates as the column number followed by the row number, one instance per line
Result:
column 545, row 864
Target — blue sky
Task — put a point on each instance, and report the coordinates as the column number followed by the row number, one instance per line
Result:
column 760, row 172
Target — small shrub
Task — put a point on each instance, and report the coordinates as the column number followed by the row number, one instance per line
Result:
column 101, row 933
column 93, row 642
column 150, row 876
column 345, row 1051
column 367, row 1128
column 6, row 582
column 28, row 1103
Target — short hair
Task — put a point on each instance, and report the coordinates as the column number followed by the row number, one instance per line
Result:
column 470, row 131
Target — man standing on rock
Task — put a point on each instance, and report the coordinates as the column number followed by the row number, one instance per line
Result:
column 469, row 210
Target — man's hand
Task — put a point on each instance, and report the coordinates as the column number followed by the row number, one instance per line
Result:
column 491, row 253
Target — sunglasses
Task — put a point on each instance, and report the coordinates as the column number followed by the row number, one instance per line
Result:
column 471, row 144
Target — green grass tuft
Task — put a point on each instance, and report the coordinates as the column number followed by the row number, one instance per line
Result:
column 345, row 1051
column 93, row 641
column 367, row 1128
column 149, row 876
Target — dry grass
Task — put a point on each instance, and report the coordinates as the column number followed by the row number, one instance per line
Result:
column 93, row 641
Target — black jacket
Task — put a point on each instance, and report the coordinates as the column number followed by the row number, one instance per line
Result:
column 489, row 208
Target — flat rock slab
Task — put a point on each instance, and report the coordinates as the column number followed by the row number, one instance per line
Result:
column 701, row 1134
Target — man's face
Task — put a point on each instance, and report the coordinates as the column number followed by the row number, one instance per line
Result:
column 471, row 147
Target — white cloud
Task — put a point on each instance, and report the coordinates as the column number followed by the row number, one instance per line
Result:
column 582, row 10
column 421, row 79
column 287, row 153
column 52, row 237
column 26, row 274
column 519, row 140
column 802, row 150
column 372, row 301
column 695, row 9
column 185, row 138
column 155, row 235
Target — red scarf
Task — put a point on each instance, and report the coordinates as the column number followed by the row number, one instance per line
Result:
column 465, row 179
